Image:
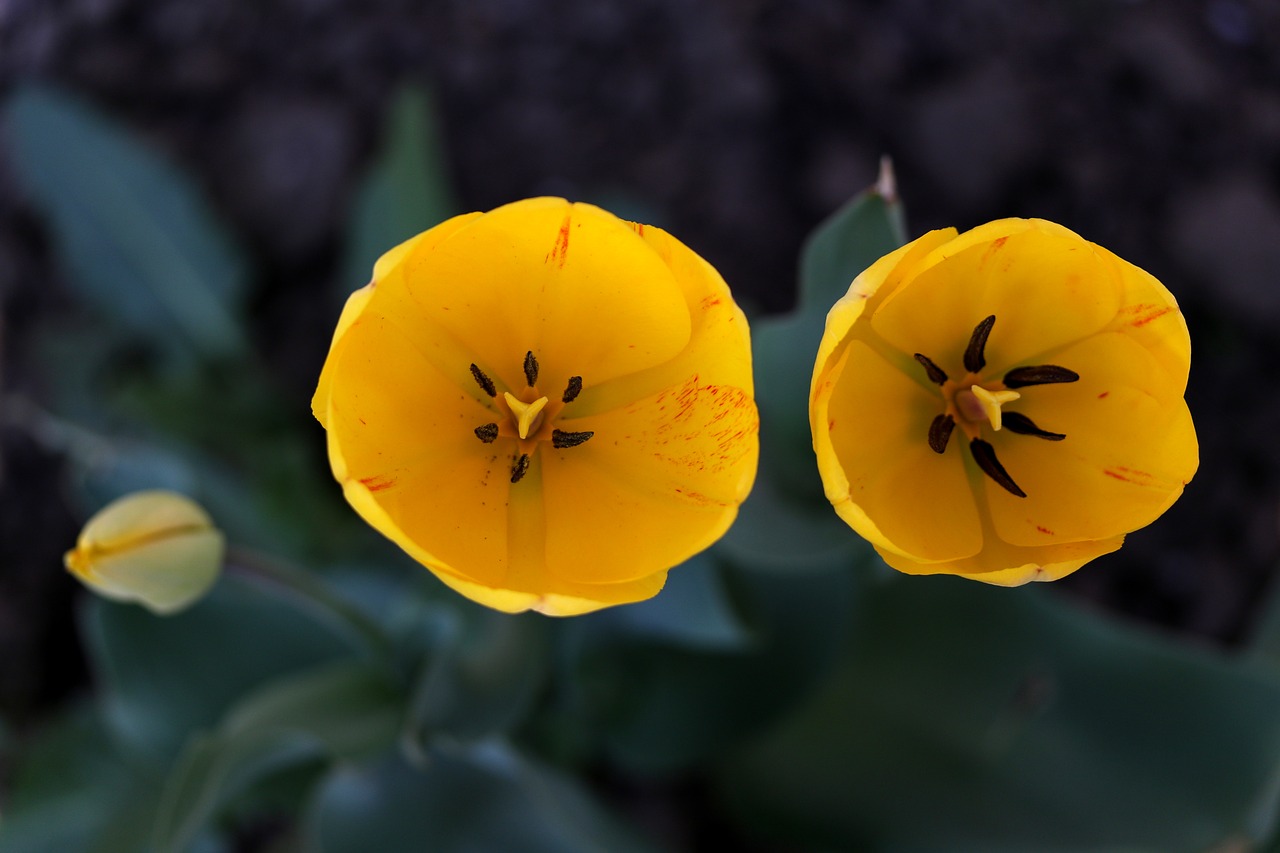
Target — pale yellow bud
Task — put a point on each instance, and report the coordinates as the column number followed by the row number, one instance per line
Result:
column 157, row 548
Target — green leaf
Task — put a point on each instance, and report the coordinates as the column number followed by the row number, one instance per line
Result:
column 784, row 348
column 869, row 226
column 480, row 676
column 406, row 191
column 790, row 535
column 167, row 677
column 660, row 708
column 346, row 710
column 73, row 790
column 135, row 235
column 693, row 611
column 465, row 801
column 1014, row 722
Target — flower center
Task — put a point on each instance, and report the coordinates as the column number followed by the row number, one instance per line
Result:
column 972, row 404
column 523, row 420
column 976, row 404
column 528, row 416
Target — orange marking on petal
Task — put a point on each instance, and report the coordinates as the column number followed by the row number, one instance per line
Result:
column 561, row 248
column 1116, row 475
column 1044, row 530
column 710, row 302
column 1143, row 313
column 1103, row 395
column 377, row 482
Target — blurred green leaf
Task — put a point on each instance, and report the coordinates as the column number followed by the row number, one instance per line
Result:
column 135, row 235
column 479, row 676
column 867, row 227
column 693, row 611
column 73, row 790
column 346, row 710
column 480, row 799
column 779, row 531
column 407, row 190
column 167, row 677
column 842, row 246
column 973, row 718
column 660, row 708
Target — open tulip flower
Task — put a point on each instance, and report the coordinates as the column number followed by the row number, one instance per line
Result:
column 547, row 406
column 1004, row 404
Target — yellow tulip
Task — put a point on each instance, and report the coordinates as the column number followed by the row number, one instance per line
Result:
column 157, row 548
column 1004, row 404
column 545, row 405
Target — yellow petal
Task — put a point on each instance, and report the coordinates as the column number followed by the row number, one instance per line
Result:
column 403, row 434
column 1130, row 447
column 675, row 467
column 871, row 437
column 1149, row 314
column 569, row 600
column 569, row 282
column 385, row 267
column 1028, row 278
column 867, row 292
column 719, row 346
column 1003, row 564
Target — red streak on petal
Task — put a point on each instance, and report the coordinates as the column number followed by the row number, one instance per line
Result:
column 1044, row 530
column 709, row 302
column 998, row 243
column 1130, row 475
column 1144, row 313
column 377, row 482
column 1103, row 395
column 561, row 248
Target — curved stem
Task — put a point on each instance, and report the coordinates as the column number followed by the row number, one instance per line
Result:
column 313, row 593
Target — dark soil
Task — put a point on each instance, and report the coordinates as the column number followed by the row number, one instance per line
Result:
column 1152, row 128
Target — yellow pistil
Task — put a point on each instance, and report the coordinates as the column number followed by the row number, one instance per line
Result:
column 527, row 415
column 977, row 403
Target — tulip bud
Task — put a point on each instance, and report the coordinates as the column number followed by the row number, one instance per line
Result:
column 157, row 548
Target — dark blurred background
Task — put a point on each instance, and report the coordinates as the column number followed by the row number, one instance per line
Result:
column 1152, row 128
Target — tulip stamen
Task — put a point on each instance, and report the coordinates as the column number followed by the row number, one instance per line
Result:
column 488, row 433
column 936, row 374
column 975, row 354
column 985, row 455
column 485, row 383
column 561, row 439
column 520, row 468
column 1040, row 374
column 940, row 432
column 573, row 390
column 530, row 369
column 1023, row 425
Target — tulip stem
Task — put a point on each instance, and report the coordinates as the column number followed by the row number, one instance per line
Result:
column 313, row 593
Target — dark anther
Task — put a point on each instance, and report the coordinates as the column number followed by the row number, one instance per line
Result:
column 1023, row 425
column 936, row 374
column 484, row 381
column 940, row 432
column 1041, row 374
column 575, row 388
column 530, row 369
column 521, row 468
column 487, row 433
column 560, row 438
column 974, row 355
column 985, row 455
